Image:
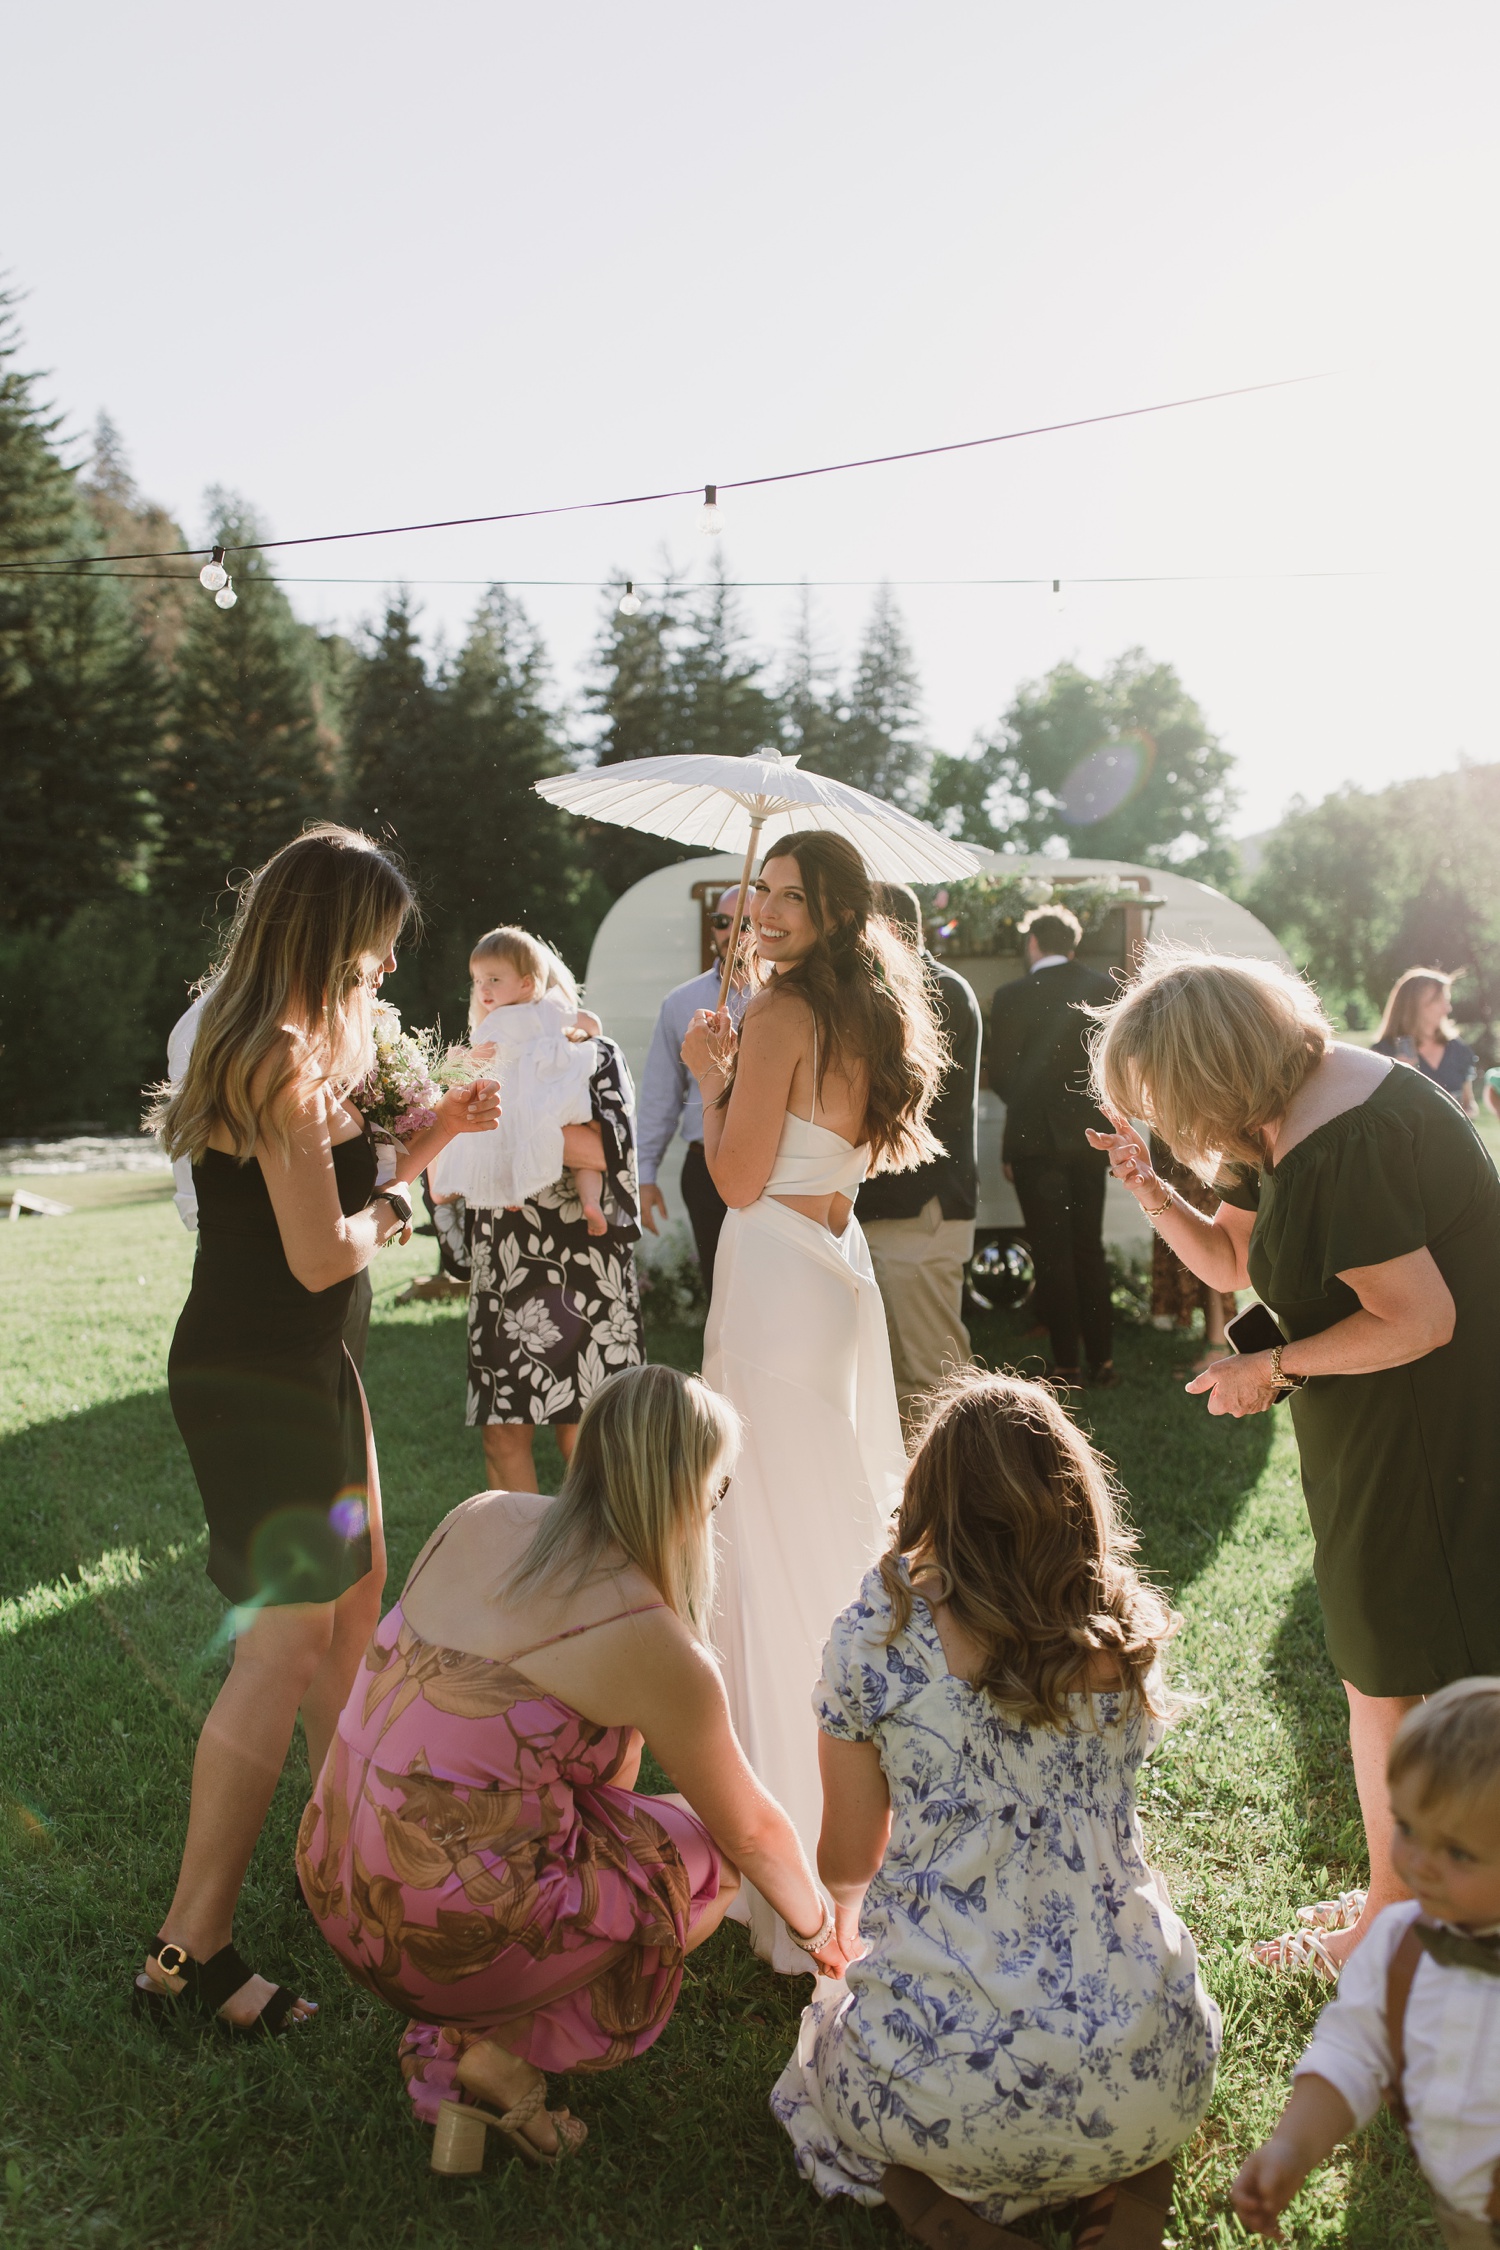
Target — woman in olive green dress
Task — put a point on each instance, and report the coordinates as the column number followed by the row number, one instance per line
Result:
column 1365, row 1212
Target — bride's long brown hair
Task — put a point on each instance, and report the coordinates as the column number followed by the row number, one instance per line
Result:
column 871, row 999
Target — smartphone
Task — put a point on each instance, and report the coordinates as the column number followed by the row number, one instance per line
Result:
column 1256, row 1330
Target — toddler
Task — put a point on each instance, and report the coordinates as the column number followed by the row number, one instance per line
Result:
column 1025, row 2024
column 1417, row 2017
column 527, row 1027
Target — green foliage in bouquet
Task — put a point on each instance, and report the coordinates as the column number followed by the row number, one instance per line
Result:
column 984, row 914
column 411, row 1073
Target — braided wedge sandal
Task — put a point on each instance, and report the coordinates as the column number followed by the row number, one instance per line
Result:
column 205, row 1987
column 1132, row 2215
column 458, row 2144
column 931, row 2215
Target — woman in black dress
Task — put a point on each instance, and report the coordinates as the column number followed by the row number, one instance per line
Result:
column 264, row 1393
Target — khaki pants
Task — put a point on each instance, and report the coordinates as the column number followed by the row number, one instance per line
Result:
column 919, row 1264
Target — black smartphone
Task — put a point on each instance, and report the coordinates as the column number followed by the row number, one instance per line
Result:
column 1254, row 1330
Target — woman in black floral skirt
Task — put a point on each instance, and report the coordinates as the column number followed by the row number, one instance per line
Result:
column 552, row 1308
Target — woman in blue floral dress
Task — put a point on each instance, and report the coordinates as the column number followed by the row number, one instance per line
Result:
column 553, row 1309
column 1026, row 2025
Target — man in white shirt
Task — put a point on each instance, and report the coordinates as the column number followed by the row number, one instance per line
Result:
column 669, row 1100
column 1418, row 2007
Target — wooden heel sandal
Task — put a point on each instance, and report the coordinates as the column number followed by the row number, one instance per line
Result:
column 458, row 2143
column 206, row 1985
column 1132, row 2215
column 932, row 2216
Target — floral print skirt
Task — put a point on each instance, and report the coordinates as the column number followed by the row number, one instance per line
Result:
column 553, row 1310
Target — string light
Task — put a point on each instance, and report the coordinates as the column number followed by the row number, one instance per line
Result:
column 630, row 601
column 1058, row 602
column 226, row 597
column 213, row 575
column 711, row 520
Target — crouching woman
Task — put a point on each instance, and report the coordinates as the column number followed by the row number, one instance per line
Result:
column 477, row 1851
column 1025, row 2026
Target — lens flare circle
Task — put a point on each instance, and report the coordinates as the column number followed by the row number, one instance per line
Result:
column 1105, row 781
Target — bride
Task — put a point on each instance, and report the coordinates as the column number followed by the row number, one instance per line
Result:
column 830, row 1078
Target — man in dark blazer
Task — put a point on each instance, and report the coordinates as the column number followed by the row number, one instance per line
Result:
column 920, row 1224
column 1039, row 1067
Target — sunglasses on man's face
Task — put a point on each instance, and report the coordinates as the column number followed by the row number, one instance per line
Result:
column 721, row 921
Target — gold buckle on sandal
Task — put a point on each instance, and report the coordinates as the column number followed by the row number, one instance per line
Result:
column 172, row 1968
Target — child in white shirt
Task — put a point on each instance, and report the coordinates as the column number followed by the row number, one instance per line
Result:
column 528, row 1029
column 1417, row 2017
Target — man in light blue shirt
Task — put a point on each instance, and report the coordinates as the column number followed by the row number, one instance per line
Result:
column 669, row 1100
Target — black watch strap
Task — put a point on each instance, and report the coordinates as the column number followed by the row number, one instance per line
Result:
column 398, row 1199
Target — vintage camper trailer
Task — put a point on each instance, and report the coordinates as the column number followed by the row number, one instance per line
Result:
column 656, row 936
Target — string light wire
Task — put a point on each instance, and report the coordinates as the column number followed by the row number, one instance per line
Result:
column 11, row 566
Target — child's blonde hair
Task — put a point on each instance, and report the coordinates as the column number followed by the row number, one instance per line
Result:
column 1452, row 1740
column 1010, row 1509
column 650, row 1442
column 1208, row 1050
column 529, row 957
column 303, row 924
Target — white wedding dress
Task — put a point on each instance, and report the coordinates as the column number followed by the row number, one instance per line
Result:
column 797, row 1341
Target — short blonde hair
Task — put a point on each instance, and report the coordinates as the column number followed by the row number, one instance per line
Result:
column 1208, row 1050
column 530, row 957
column 1452, row 1740
column 650, row 1441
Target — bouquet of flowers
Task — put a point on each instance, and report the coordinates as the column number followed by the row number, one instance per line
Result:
column 411, row 1073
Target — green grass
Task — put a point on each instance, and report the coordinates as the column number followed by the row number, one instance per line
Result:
column 111, row 1650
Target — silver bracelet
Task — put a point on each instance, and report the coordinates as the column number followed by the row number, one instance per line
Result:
column 821, row 1938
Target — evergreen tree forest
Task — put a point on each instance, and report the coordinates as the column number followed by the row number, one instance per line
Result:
column 155, row 748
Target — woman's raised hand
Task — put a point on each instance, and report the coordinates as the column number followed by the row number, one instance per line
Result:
column 474, row 1108
column 1129, row 1159
column 710, row 1042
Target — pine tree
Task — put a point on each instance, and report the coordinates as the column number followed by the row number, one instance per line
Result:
column 247, row 761
column 389, row 767
column 79, row 695
column 719, row 702
column 809, row 695
column 162, row 593
column 878, row 744
column 632, row 696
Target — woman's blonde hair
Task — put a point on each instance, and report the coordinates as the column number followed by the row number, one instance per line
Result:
column 1406, row 997
column 650, row 1443
column 529, row 957
column 1207, row 1050
column 302, row 927
column 1011, row 1512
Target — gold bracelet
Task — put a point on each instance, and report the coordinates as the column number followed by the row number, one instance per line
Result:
column 1166, row 1205
column 1284, row 1383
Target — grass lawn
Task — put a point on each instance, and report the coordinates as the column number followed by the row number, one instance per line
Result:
column 110, row 1652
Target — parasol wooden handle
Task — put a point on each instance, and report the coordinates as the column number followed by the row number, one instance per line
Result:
column 739, row 909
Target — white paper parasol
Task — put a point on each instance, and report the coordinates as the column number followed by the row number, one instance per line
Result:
column 725, row 804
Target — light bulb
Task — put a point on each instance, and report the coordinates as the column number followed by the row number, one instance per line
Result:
column 213, row 575
column 710, row 522
column 630, row 601
column 1058, row 602
column 226, row 597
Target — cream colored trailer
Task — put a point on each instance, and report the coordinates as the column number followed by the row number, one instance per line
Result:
column 655, row 937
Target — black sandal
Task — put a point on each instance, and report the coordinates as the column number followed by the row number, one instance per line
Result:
column 206, row 1985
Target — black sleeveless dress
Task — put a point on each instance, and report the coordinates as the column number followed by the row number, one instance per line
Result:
column 266, row 1397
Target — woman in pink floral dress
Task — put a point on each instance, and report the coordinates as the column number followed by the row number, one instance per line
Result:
column 476, row 1850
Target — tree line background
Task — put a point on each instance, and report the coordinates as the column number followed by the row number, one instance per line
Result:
column 154, row 748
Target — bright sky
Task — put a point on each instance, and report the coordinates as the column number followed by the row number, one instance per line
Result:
column 375, row 263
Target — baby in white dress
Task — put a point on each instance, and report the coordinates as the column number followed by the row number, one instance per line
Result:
column 528, row 1029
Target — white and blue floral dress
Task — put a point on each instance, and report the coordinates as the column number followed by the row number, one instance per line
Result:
column 1028, row 2022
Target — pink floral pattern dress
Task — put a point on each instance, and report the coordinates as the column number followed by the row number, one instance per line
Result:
column 473, row 1862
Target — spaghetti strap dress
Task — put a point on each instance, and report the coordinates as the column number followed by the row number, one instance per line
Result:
column 267, row 1398
column 470, row 1857
column 1400, row 1467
